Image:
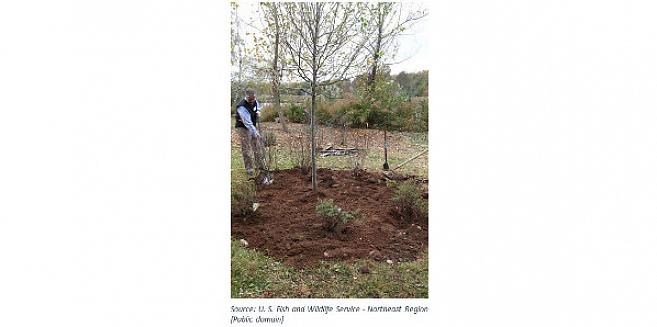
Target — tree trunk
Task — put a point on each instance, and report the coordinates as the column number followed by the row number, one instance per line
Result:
column 275, row 71
column 371, row 78
column 313, row 106
column 313, row 147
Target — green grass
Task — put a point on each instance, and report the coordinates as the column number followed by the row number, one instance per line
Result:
column 254, row 275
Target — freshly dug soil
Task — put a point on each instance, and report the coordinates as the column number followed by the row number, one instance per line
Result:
column 286, row 226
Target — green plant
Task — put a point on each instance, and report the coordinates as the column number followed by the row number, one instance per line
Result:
column 296, row 114
column 324, row 114
column 242, row 198
column 357, row 114
column 423, row 115
column 408, row 198
column 333, row 216
column 391, row 184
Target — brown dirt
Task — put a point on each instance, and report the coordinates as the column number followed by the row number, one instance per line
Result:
column 287, row 228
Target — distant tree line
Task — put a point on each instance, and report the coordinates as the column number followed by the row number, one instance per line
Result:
column 413, row 84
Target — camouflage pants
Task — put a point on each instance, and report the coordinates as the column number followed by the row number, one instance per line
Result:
column 250, row 146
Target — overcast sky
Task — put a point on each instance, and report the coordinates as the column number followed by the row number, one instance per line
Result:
column 412, row 45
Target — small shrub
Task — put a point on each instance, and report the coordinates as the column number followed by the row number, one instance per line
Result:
column 408, row 198
column 378, row 117
column 333, row 216
column 242, row 197
column 357, row 114
column 268, row 114
column 332, row 112
column 423, row 113
column 411, row 116
column 323, row 113
column 296, row 114
column 403, row 117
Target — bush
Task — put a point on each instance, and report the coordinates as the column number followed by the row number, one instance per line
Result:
column 242, row 198
column 296, row 114
column 324, row 114
column 408, row 198
column 378, row 117
column 357, row 114
column 412, row 116
column 333, row 216
column 423, row 115
column 332, row 112
column 402, row 119
column 268, row 114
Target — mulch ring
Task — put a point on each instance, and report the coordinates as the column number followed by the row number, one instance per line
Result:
column 286, row 226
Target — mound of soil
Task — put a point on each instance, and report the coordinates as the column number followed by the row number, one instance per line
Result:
column 287, row 228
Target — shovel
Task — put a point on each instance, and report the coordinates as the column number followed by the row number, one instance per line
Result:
column 265, row 177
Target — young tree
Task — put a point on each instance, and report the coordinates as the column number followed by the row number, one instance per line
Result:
column 388, row 21
column 324, row 45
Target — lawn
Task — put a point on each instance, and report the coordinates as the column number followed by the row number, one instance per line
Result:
column 254, row 275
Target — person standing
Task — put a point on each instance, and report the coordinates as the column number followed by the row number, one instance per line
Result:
column 250, row 139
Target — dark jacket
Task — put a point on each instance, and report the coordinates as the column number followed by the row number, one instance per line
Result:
column 252, row 110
